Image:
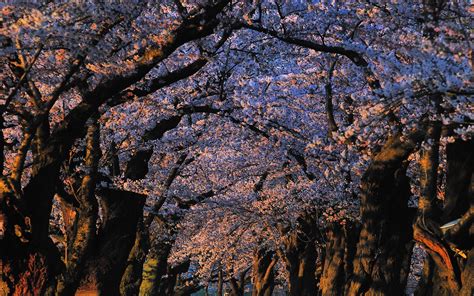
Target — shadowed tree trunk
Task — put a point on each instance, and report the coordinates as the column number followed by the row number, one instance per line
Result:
column 159, row 278
column 168, row 283
column 263, row 276
column 82, row 234
column 137, row 168
column 121, row 211
column 383, row 251
column 338, row 257
column 332, row 125
column 220, row 282
column 237, row 286
column 300, row 257
column 151, row 265
column 374, row 258
column 155, row 267
column 23, row 270
column 449, row 267
column 131, row 280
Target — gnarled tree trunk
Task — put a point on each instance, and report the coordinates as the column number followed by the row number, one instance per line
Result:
column 449, row 267
column 82, row 234
column 374, row 258
column 382, row 258
column 29, row 261
column 263, row 276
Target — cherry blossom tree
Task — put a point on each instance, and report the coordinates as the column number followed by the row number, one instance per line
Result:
column 163, row 147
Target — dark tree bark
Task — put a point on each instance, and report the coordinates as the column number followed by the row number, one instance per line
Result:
column 341, row 241
column 220, row 283
column 332, row 125
column 153, row 280
column 374, row 258
column 300, row 257
column 132, row 277
column 167, row 285
column 28, row 264
column 137, row 167
column 384, row 247
column 83, row 233
column 23, row 269
column 237, row 286
column 449, row 267
column 263, row 276
column 121, row 212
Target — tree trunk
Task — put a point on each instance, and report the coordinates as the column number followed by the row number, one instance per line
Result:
column 155, row 267
column 220, row 283
column 263, row 276
column 168, row 284
column 338, row 258
column 300, row 257
column 121, row 211
column 83, row 234
column 27, row 266
column 384, row 247
column 449, row 267
column 235, row 288
column 132, row 277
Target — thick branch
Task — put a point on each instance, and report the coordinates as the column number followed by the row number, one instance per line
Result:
column 39, row 191
column 157, row 83
column 354, row 56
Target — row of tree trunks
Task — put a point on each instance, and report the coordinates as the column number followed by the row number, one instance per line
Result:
column 30, row 262
column 373, row 257
column 380, row 266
